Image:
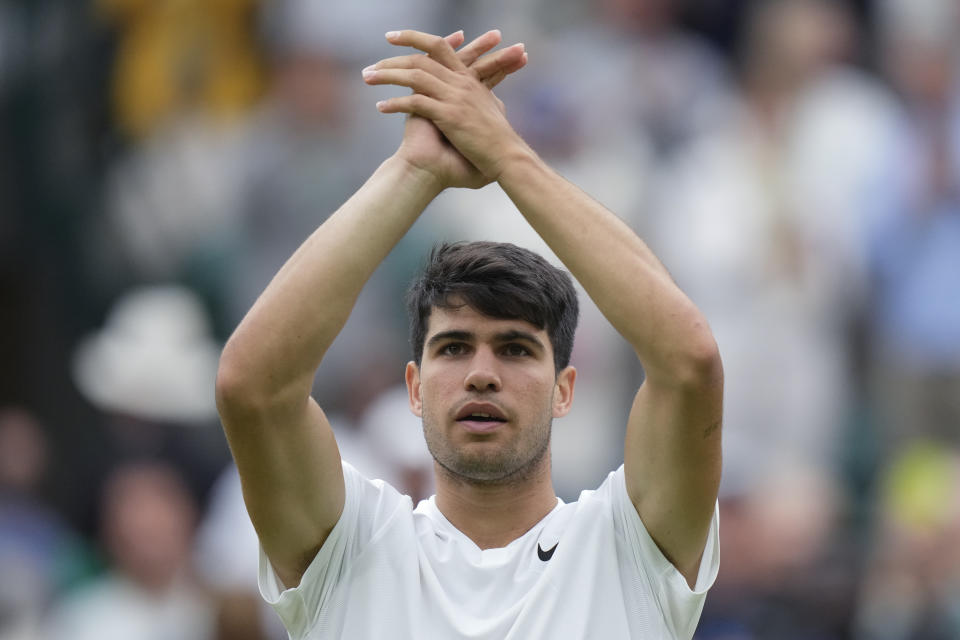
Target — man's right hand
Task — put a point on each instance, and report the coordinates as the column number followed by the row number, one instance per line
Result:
column 424, row 146
column 283, row 444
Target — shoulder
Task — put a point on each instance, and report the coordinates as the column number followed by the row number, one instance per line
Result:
column 371, row 504
column 589, row 521
column 605, row 495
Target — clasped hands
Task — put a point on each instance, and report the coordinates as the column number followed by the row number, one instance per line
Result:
column 457, row 130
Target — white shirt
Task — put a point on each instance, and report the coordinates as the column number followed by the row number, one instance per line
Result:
column 390, row 571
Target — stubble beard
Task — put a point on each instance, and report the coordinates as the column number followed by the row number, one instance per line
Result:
column 514, row 463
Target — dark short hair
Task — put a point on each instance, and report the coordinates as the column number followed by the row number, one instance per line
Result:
column 499, row 280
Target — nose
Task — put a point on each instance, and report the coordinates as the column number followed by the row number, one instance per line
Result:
column 483, row 374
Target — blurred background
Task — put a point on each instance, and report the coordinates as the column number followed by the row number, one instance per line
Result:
column 795, row 163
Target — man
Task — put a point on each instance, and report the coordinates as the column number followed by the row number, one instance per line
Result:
column 494, row 554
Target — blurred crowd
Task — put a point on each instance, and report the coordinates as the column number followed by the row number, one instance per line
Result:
column 794, row 163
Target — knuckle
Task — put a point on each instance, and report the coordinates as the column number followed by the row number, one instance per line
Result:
column 483, row 65
column 419, row 76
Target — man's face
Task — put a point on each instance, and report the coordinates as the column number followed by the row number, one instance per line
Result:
column 487, row 391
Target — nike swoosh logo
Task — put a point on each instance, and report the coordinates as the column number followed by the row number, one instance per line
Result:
column 546, row 555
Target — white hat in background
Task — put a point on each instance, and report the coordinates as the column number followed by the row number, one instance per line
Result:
column 155, row 358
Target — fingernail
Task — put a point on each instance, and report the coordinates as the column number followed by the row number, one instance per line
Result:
column 368, row 72
column 381, row 105
column 392, row 34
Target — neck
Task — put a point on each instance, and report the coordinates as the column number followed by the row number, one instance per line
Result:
column 495, row 514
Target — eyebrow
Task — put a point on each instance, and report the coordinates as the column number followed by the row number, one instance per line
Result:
column 514, row 334
column 469, row 336
column 462, row 336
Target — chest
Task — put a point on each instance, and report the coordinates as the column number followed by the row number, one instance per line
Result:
column 553, row 582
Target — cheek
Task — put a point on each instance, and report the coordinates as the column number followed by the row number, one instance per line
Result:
column 435, row 391
column 539, row 392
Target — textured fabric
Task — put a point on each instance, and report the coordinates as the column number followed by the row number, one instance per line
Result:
column 389, row 571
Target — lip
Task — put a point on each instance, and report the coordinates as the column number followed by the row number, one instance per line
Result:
column 480, row 426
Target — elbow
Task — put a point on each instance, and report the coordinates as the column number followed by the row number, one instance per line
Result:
column 233, row 385
column 694, row 361
column 699, row 363
column 240, row 390
column 249, row 390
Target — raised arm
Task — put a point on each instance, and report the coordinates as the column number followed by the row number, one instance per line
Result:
column 283, row 445
column 672, row 450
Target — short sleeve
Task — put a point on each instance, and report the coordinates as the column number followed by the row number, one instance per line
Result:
column 369, row 506
column 681, row 606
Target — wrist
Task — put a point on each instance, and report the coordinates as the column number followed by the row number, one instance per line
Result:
column 414, row 176
column 517, row 163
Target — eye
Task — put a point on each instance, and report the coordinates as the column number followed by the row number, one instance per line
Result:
column 453, row 349
column 516, row 350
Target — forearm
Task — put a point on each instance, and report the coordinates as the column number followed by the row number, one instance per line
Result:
column 281, row 341
column 620, row 273
column 616, row 268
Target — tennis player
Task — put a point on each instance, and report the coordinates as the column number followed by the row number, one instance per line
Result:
column 495, row 554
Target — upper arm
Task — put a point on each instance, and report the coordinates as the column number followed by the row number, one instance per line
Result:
column 290, row 470
column 672, row 460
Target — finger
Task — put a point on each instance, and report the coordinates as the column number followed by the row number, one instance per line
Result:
column 418, row 80
column 520, row 64
column 415, row 104
column 434, row 46
column 412, row 61
column 481, row 45
column 508, row 60
column 455, row 39
column 417, row 61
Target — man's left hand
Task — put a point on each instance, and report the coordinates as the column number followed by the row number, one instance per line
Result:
column 451, row 95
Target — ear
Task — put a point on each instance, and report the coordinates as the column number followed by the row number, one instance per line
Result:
column 563, row 392
column 412, row 376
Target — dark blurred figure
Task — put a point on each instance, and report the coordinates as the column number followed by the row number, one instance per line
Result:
column 184, row 76
column 219, row 202
column 912, row 585
column 176, row 57
column 54, row 141
column 915, row 230
column 771, row 202
column 239, row 617
column 786, row 567
column 630, row 69
column 39, row 554
column 148, row 592
column 911, row 590
column 149, row 372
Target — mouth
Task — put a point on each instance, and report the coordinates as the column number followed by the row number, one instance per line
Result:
column 480, row 418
